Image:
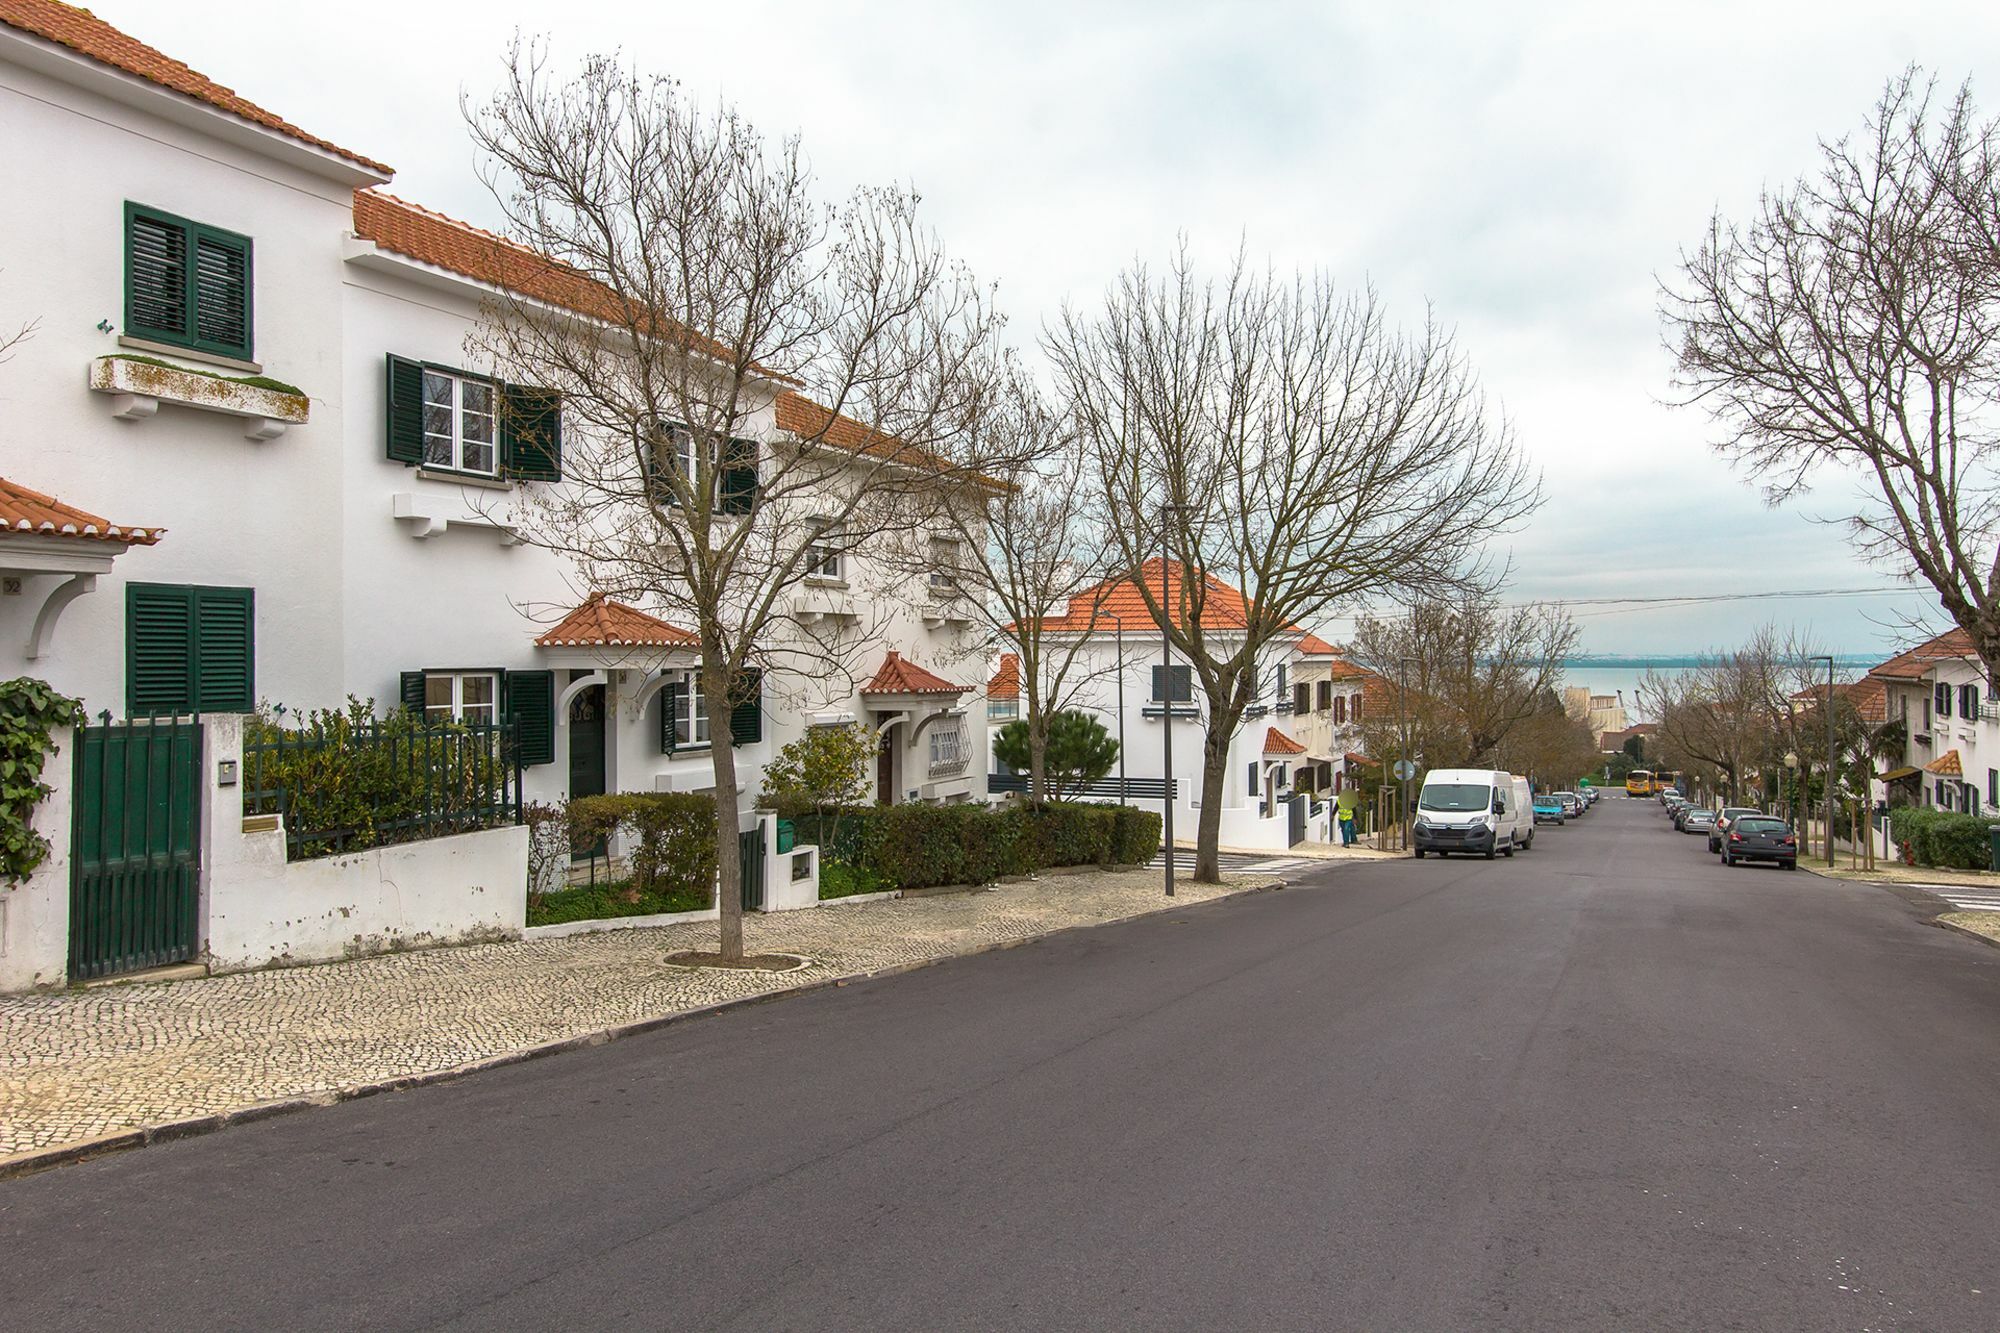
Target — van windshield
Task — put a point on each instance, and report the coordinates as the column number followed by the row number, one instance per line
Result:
column 1455, row 797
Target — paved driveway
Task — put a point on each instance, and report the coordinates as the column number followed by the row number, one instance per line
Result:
column 1604, row 1085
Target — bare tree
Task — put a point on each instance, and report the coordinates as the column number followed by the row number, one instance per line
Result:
column 1720, row 720
column 1847, row 334
column 1280, row 437
column 717, row 337
column 1477, row 672
column 1037, row 545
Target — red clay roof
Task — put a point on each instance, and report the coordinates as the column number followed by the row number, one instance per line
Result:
column 1950, row 646
column 1006, row 682
column 900, row 677
column 1117, row 603
column 1353, row 758
column 1277, row 742
column 1869, row 696
column 1946, row 765
column 1314, row 646
column 23, row 510
column 88, row 35
column 603, row 623
column 801, row 416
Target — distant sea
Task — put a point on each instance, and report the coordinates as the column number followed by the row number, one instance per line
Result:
column 1608, row 674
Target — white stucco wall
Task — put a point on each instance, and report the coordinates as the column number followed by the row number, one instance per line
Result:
column 34, row 914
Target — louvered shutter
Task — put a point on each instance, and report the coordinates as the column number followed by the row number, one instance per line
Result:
column 530, row 433
column 222, row 313
column 159, row 648
column 746, row 717
column 410, row 690
column 1159, row 682
column 225, row 675
column 156, row 276
column 738, row 493
column 406, row 411
column 670, row 704
column 531, row 702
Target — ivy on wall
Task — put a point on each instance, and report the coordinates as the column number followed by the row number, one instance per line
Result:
column 29, row 712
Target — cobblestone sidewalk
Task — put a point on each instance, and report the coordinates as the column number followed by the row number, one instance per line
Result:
column 78, row 1064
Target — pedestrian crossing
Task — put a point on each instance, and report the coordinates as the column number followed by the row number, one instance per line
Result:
column 1257, row 863
column 1964, row 898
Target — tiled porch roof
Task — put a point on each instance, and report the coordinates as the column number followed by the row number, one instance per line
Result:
column 897, row 676
column 1946, row 765
column 23, row 510
column 1277, row 742
column 602, row 623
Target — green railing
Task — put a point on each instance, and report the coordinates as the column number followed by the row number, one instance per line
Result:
column 342, row 785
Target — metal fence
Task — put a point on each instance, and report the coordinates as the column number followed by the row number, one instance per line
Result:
column 345, row 786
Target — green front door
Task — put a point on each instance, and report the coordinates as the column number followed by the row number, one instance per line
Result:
column 135, row 847
column 586, row 757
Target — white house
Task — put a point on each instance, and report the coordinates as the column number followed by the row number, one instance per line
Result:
column 1137, row 692
column 1951, row 725
column 1328, row 696
column 250, row 360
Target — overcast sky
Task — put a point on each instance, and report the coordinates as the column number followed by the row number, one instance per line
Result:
column 1526, row 170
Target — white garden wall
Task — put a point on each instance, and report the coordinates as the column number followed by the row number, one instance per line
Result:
column 34, row 915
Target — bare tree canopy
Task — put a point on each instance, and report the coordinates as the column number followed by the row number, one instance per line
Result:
column 1481, row 678
column 1846, row 334
column 717, row 336
column 1279, row 436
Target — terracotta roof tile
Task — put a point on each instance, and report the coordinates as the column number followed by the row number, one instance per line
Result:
column 1950, row 646
column 602, row 623
column 1006, row 682
column 1312, row 645
column 1117, row 603
column 1277, row 742
column 1354, row 757
column 23, row 510
column 88, row 35
column 801, row 416
column 1869, row 696
column 1946, row 765
column 900, row 677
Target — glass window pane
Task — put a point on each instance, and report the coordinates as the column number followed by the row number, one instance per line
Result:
column 437, row 388
column 475, row 427
column 478, row 457
column 476, row 396
column 477, row 690
column 437, row 696
column 437, row 420
column 437, row 450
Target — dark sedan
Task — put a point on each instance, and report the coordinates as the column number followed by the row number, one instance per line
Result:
column 1761, row 838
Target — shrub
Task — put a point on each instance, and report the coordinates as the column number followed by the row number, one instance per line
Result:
column 29, row 712
column 670, row 838
column 1939, row 838
column 923, row 846
column 844, row 881
column 597, row 902
column 1079, row 752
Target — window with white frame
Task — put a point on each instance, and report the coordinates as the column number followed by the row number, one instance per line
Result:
column 1003, row 709
column 461, row 696
column 690, row 712
column 947, row 745
column 944, row 565
column 459, row 423
column 824, row 558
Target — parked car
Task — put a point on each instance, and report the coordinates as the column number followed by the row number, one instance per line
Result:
column 1681, row 813
column 1590, row 795
column 1722, row 822
column 1548, row 810
column 1761, row 838
column 1572, row 803
column 1697, row 820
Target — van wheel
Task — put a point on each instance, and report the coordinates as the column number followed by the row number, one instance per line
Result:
column 1508, row 853
column 1420, row 853
column 1489, row 854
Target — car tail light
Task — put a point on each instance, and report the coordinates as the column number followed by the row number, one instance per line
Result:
column 1736, row 837
column 1791, row 841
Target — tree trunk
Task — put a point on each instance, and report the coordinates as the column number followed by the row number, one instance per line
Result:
column 728, row 852
column 1038, row 757
column 1208, row 827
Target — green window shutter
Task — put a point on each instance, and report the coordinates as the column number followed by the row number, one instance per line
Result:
column 225, row 675
column 156, row 276
column 738, row 493
column 746, row 718
column 531, row 703
column 670, row 702
column 222, row 292
column 530, row 433
column 410, row 689
column 159, row 648
column 406, row 411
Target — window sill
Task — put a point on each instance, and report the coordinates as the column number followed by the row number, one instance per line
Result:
column 826, row 581
column 483, row 480
column 188, row 353
column 701, row 750
column 138, row 387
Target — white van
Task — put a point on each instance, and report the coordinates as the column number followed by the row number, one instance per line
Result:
column 1522, row 808
column 1467, row 810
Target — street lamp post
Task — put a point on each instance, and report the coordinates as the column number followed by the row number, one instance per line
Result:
column 1830, row 756
column 1792, row 787
column 1403, row 760
column 1167, row 709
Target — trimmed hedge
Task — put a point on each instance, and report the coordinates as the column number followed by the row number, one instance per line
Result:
column 671, row 838
column 923, row 846
column 1933, row 837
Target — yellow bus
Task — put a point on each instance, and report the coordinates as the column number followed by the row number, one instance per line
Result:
column 1639, row 782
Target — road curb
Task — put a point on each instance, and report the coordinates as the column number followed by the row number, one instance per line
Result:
column 43, row 1159
column 1957, row 929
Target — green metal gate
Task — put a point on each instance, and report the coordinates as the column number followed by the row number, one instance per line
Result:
column 750, row 851
column 135, row 849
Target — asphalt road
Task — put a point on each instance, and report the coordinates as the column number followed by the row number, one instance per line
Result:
column 1606, row 1084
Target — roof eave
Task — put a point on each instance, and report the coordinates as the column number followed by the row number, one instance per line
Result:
column 142, row 94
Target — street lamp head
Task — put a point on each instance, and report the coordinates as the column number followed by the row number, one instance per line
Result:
column 1791, row 759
